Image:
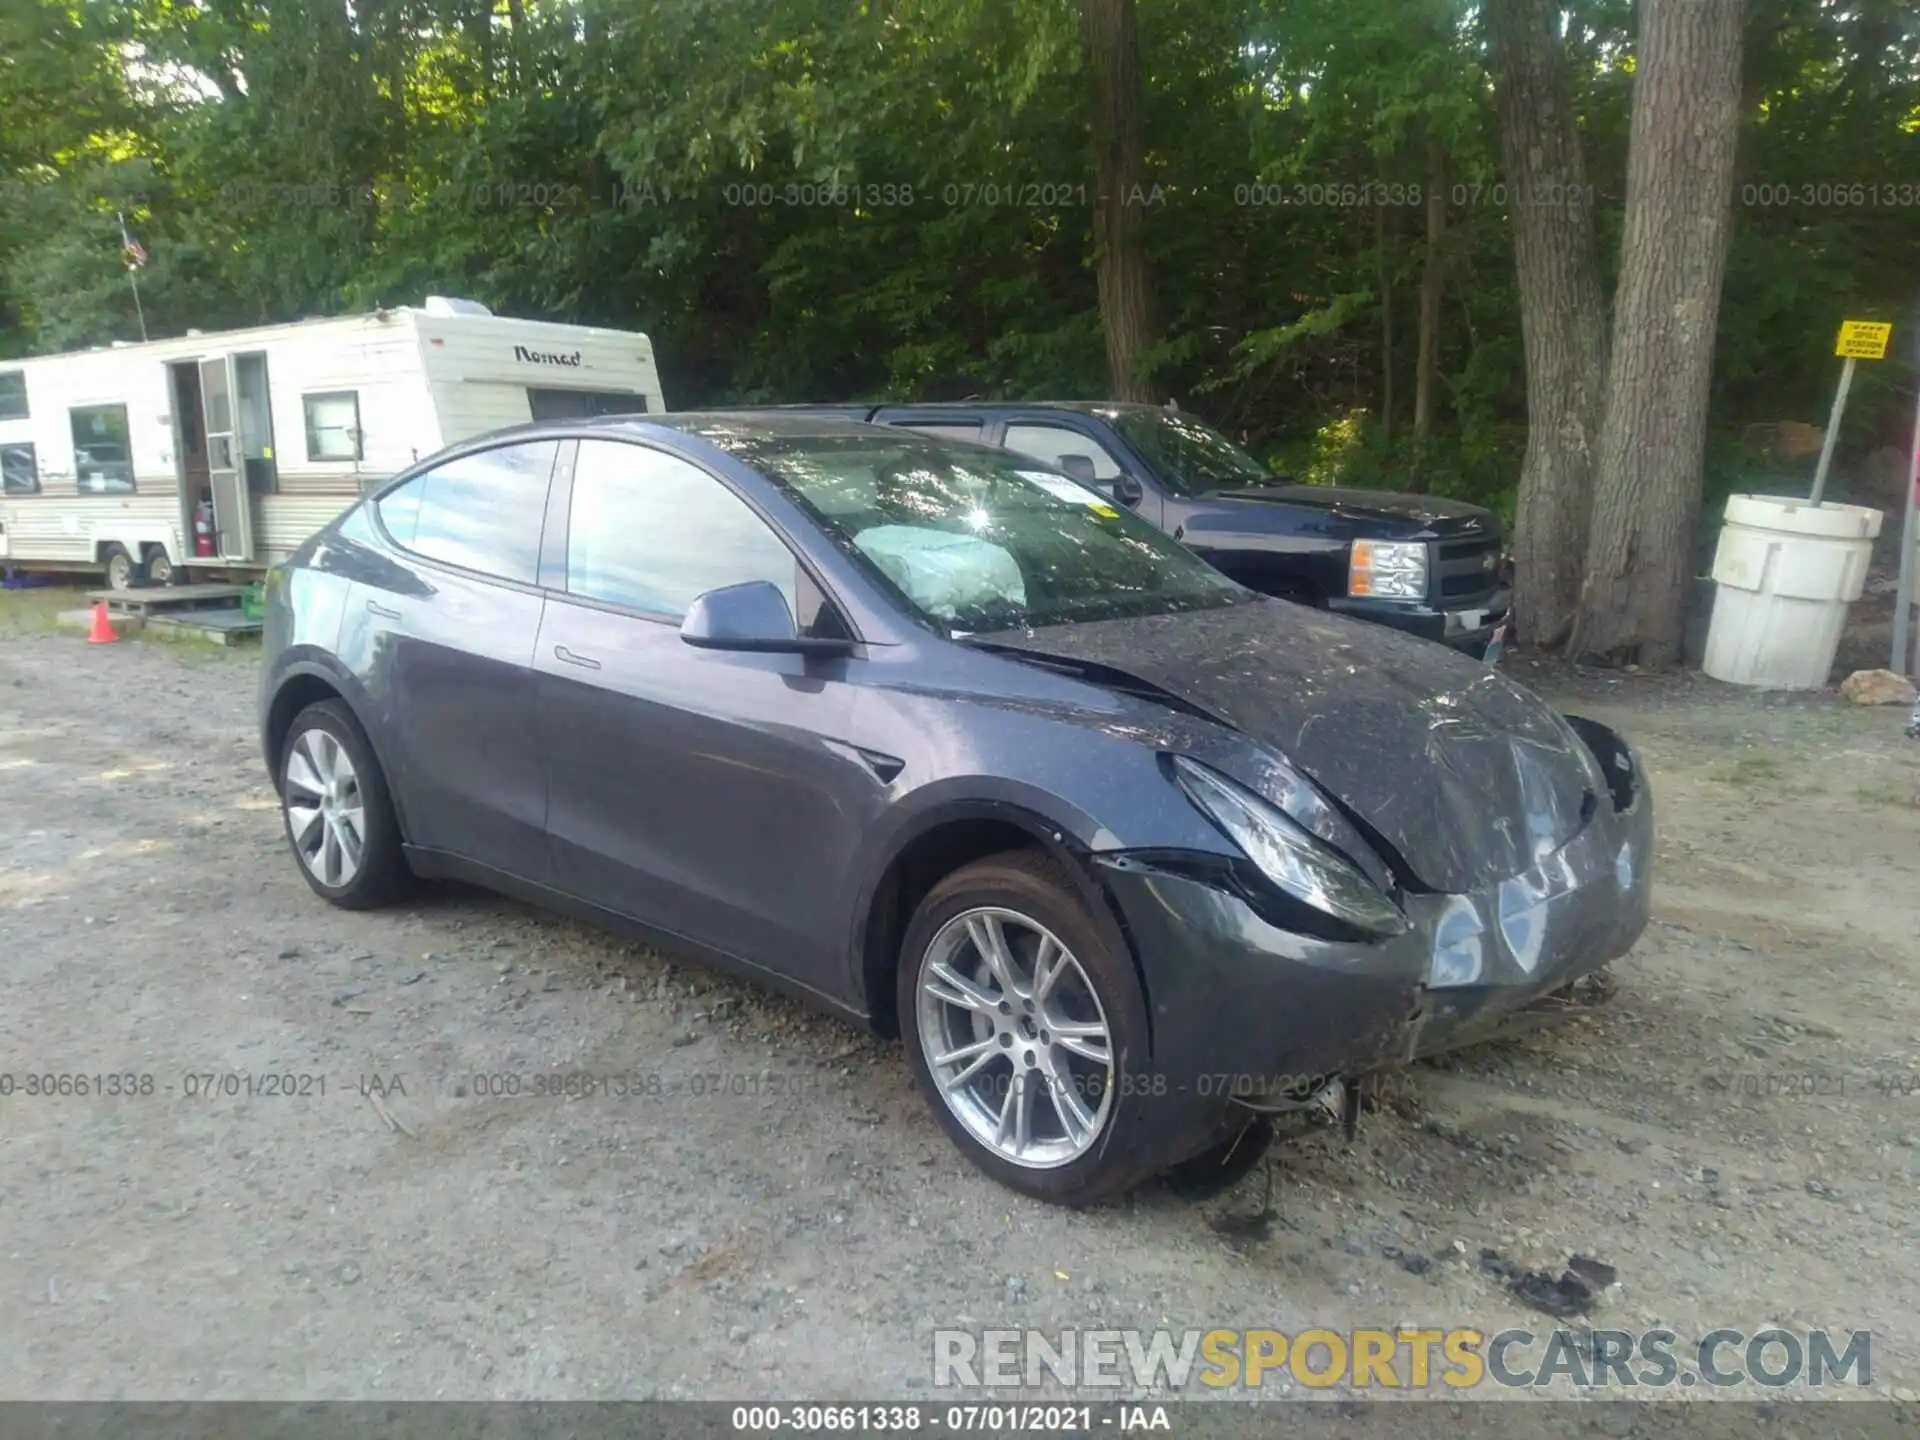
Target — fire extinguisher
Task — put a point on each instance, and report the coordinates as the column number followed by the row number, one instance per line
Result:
column 203, row 528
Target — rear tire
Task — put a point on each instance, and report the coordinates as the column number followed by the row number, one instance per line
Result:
column 1045, row 1054
column 159, row 567
column 338, row 812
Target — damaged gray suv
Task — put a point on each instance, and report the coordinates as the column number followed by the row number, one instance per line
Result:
column 1129, row 856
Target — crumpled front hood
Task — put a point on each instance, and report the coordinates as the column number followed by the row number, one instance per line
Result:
column 1469, row 777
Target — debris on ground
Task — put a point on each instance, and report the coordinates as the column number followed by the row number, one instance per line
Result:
column 1244, row 1227
column 1877, row 687
column 1598, row 1271
column 1572, row 1294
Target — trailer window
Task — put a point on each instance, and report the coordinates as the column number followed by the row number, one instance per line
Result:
column 581, row 404
column 102, row 458
column 13, row 394
column 333, row 425
column 18, row 470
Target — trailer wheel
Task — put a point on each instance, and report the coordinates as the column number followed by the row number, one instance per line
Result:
column 122, row 568
column 159, row 567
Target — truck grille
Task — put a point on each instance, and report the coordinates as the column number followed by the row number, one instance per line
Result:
column 1467, row 568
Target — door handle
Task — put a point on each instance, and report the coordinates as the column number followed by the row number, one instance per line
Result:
column 374, row 607
column 566, row 656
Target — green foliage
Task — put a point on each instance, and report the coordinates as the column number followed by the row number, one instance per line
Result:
column 890, row 198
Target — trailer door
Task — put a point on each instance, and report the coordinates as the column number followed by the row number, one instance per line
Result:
column 232, row 505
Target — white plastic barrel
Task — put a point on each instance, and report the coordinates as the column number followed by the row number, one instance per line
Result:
column 1785, row 573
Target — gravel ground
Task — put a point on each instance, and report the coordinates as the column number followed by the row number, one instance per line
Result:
column 769, row 1211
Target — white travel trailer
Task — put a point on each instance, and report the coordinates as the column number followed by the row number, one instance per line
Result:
column 225, row 451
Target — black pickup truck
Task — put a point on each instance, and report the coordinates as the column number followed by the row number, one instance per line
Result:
column 1432, row 567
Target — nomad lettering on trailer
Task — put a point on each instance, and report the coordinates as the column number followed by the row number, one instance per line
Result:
column 544, row 357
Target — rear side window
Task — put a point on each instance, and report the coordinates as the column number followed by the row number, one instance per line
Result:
column 943, row 429
column 651, row 531
column 481, row 512
column 13, row 395
column 1049, row 443
column 19, row 470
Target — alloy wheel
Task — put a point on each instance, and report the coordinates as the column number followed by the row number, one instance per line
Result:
column 1015, row 1037
column 325, row 812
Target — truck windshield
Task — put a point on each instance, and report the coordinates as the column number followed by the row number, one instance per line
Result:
column 1189, row 457
column 976, row 540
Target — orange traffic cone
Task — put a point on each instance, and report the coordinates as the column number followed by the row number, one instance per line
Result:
column 102, row 631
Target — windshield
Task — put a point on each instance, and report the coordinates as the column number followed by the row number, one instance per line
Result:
column 1191, row 458
column 977, row 540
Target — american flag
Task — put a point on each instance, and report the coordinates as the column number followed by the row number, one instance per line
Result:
column 135, row 252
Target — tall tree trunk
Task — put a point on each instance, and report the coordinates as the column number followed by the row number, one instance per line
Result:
column 517, row 38
column 1426, row 377
column 1386, row 323
column 391, row 40
column 1563, row 322
column 1111, row 36
column 1686, row 117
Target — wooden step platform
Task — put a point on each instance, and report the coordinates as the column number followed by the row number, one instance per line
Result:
column 150, row 600
column 223, row 626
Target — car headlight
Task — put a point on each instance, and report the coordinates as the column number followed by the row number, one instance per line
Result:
column 1458, row 951
column 1388, row 569
column 1284, row 851
column 1523, row 904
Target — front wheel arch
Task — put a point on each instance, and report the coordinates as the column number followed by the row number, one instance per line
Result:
column 1032, row 892
column 935, row 848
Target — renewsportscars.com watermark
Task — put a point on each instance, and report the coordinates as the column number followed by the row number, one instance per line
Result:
column 1398, row 1359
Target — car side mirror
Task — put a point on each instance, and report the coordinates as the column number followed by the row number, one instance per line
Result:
column 1127, row 490
column 750, row 617
column 1080, row 467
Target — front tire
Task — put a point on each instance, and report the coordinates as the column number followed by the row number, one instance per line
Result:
column 1027, row 1031
column 337, row 810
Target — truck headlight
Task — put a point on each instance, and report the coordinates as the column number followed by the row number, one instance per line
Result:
column 1388, row 569
column 1284, row 851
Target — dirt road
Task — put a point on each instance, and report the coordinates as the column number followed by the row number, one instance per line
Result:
column 750, row 1201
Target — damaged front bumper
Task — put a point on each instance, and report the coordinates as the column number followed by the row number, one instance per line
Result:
column 1246, row 1010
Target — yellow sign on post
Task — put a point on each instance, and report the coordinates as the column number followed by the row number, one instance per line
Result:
column 1863, row 339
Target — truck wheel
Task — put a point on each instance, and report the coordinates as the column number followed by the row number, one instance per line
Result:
column 122, row 569
column 1025, row 1031
column 159, row 567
